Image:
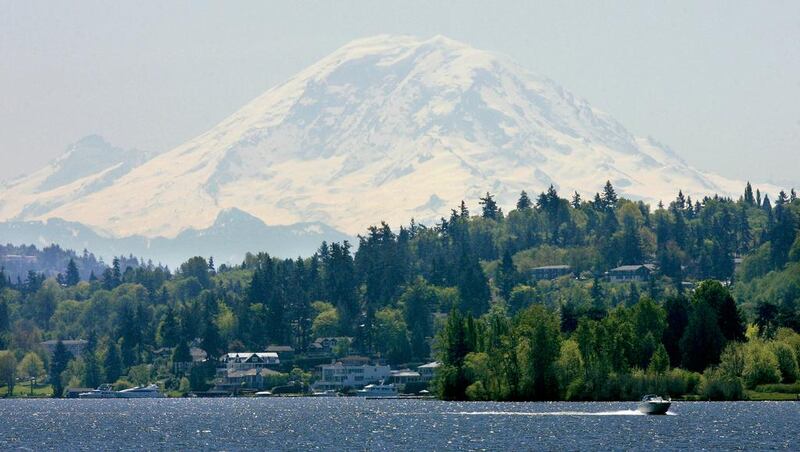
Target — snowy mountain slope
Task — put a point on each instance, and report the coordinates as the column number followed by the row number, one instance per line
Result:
column 385, row 128
column 87, row 166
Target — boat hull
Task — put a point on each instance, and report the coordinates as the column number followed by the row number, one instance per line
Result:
column 654, row 407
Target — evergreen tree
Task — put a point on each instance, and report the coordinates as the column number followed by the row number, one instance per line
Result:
column 506, row 276
column 455, row 345
column 702, row 341
column 93, row 372
column 767, row 205
column 609, row 196
column 792, row 195
column 473, row 288
column 490, row 209
column 418, row 301
column 73, row 277
column 58, row 364
column 463, row 212
column 677, row 319
column 169, row 330
column 749, row 199
column 631, row 246
column 598, row 295
column 116, row 273
column 212, row 342
column 781, row 233
column 108, row 279
column 112, row 362
column 181, row 354
column 729, row 319
column 524, row 201
column 758, row 197
column 5, row 323
column 576, row 200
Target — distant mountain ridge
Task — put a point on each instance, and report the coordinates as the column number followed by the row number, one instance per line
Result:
column 385, row 128
column 233, row 234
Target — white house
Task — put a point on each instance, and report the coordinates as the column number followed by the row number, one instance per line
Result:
column 350, row 373
column 250, row 360
column 428, row 371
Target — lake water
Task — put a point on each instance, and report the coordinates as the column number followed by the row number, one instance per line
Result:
column 352, row 423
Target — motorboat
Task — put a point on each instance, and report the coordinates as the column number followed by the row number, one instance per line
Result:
column 326, row 393
column 374, row 391
column 141, row 392
column 105, row 391
column 654, row 404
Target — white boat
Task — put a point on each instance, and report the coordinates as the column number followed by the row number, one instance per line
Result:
column 326, row 393
column 653, row 404
column 378, row 390
column 139, row 392
column 102, row 392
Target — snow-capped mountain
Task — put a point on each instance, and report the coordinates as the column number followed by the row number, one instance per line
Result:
column 385, row 128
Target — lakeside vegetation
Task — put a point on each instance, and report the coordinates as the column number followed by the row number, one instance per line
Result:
column 462, row 291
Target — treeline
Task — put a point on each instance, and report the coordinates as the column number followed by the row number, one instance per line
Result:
column 397, row 289
column 695, row 346
column 20, row 261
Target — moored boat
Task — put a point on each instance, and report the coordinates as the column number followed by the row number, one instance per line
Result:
column 379, row 390
column 140, row 392
column 653, row 404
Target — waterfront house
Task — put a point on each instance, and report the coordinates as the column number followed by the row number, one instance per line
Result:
column 250, row 360
column 353, row 372
column 630, row 273
column 404, row 376
column 231, row 380
column 551, row 272
column 428, row 371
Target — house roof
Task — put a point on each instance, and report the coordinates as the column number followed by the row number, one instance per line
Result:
column 248, row 355
column 633, row 268
column 404, row 373
column 432, row 365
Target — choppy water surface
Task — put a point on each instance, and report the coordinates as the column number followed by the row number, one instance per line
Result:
column 351, row 423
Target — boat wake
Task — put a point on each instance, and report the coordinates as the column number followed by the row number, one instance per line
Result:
column 552, row 413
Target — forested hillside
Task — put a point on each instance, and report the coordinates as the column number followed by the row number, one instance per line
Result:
column 718, row 314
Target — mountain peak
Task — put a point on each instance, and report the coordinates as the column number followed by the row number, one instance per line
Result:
column 388, row 128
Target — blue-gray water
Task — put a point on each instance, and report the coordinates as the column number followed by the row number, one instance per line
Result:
column 351, row 423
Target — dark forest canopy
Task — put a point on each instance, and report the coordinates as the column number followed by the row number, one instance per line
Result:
column 461, row 290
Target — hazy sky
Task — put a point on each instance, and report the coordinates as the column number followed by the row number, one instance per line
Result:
column 718, row 81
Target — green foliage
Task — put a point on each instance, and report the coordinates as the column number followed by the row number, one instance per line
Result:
column 8, row 370
column 58, row 364
column 539, row 333
column 326, row 323
column 717, row 386
column 514, row 339
column 391, row 336
column 418, row 302
column 787, row 361
column 760, row 365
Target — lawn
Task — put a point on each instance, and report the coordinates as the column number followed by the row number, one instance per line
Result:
column 756, row 395
column 24, row 390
